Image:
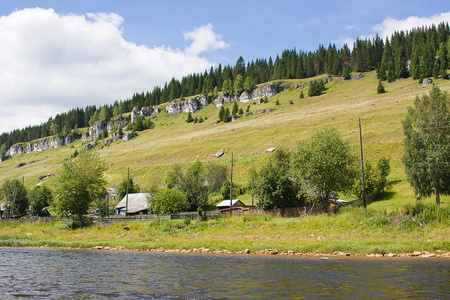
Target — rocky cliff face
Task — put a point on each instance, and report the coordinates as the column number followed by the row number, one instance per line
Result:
column 268, row 91
column 193, row 104
column 98, row 128
column 144, row 112
column 41, row 145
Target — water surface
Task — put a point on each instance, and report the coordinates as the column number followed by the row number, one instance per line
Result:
column 75, row 274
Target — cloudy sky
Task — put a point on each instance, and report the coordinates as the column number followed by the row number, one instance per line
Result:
column 58, row 55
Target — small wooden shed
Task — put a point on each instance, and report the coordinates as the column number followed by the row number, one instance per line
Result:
column 224, row 206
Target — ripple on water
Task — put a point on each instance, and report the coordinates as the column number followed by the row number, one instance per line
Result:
column 57, row 274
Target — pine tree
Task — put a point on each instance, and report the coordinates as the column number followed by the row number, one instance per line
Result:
column 189, row 118
column 221, row 113
column 248, row 85
column 444, row 74
column 346, row 73
column 235, row 109
column 443, row 53
column 238, row 85
column 426, row 62
column 139, row 125
column 400, row 64
column 435, row 70
column 391, row 74
column 380, row 88
column 227, row 116
column 414, row 69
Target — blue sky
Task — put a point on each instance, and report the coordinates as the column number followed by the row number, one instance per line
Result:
column 58, row 55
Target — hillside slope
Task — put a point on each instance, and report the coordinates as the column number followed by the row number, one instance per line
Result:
column 175, row 141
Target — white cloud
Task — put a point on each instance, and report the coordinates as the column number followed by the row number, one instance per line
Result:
column 344, row 40
column 390, row 25
column 351, row 27
column 51, row 63
column 204, row 39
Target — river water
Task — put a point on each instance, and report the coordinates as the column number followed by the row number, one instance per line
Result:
column 76, row 274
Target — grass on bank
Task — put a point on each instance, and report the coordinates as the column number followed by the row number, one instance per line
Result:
column 418, row 227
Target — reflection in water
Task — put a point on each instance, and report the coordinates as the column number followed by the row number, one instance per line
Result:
column 57, row 274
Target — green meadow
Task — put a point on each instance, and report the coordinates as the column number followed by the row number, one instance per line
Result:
column 383, row 228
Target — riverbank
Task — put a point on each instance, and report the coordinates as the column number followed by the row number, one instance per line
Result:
column 351, row 231
column 269, row 252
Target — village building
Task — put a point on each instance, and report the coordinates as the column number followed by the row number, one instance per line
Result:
column 237, row 205
column 137, row 204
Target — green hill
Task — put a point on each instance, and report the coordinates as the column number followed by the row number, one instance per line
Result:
column 175, row 141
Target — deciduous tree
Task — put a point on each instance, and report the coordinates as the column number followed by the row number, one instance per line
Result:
column 15, row 197
column 169, row 201
column 121, row 190
column 191, row 181
column 81, row 181
column 40, row 197
column 323, row 166
column 427, row 144
column 274, row 186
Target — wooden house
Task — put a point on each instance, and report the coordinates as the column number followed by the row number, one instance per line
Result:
column 137, row 204
column 237, row 205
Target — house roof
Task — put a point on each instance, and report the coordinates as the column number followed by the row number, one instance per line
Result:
column 226, row 203
column 136, row 202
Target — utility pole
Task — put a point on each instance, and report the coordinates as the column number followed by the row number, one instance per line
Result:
column 14, row 198
column 231, row 186
column 126, row 204
column 362, row 166
column 253, row 206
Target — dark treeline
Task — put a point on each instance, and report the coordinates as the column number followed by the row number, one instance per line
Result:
column 419, row 53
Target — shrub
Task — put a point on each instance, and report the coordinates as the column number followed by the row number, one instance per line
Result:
column 169, row 201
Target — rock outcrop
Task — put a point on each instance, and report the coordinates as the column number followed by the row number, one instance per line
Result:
column 191, row 105
column 268, row 91
column 426, row 82
column 144, row 112
column 41, row 145
column 98, row 128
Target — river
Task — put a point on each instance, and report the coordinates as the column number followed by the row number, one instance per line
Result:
column 76, row 274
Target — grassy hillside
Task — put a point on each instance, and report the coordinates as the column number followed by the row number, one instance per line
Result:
column 174, row 141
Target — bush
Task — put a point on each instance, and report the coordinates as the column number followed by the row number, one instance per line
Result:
column 169, row 201
column 427, row 213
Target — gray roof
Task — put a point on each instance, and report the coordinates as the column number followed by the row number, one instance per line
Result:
column 226, row 203
column 136, row 202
